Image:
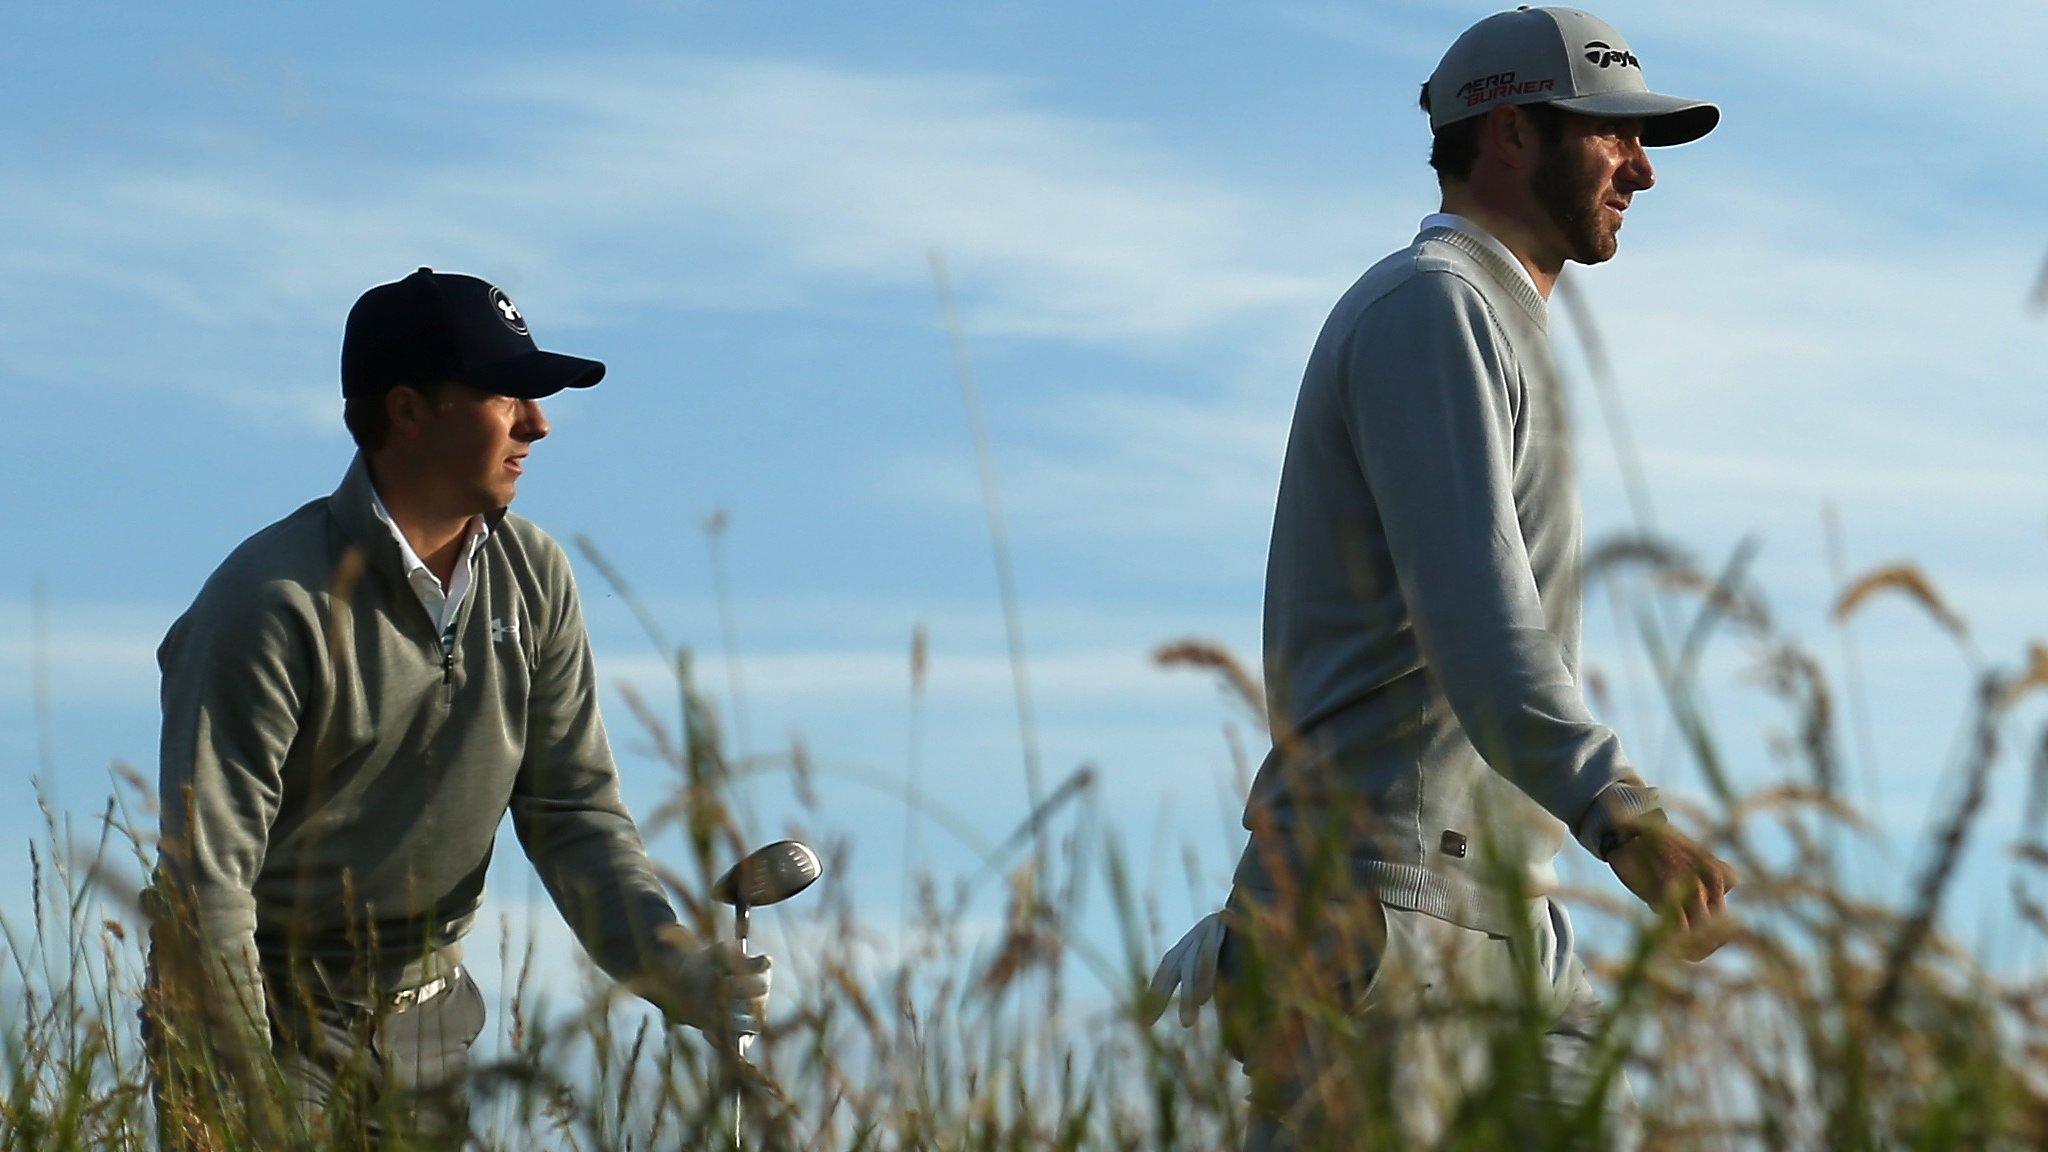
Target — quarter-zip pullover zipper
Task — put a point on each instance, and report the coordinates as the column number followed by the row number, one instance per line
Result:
column 448, row 664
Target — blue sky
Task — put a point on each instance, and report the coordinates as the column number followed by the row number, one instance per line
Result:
column 1147, row 210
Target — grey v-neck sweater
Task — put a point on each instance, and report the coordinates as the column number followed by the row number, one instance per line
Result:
column 333, row 774
column 1422, row 604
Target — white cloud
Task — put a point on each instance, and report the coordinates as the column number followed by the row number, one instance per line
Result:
column 89, row 653
column 1883, row 62
column 1919, row 60
column 1111, row 469
column 1411, row 35
column 1084, row 656
column 1124, row 677
column 1763, row 313
column 657, row 181
column 1053, row 223
column 1779, row 349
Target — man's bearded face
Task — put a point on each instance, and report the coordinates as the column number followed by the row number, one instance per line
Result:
column 1585, row 179
column 1572, row 186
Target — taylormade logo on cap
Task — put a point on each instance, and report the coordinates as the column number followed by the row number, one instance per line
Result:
column 1560, row 56
column 1607, row 55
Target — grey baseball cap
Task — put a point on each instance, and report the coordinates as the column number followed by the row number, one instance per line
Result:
column 1559, row 56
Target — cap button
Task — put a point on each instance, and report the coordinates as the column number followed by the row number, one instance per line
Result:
column 427, row 270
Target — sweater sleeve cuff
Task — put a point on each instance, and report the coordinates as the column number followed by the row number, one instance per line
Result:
column 1617, row 806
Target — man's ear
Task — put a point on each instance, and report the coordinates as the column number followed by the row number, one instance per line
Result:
column 408, row 410
column 1512, row 137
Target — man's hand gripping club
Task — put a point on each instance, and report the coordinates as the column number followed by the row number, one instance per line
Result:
column 716, row 988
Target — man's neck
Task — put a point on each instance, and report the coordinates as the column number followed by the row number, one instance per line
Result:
column 1507, row 228
column 436, row 535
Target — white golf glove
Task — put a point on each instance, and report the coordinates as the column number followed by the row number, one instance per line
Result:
column 715, row 988
column 1191, row 967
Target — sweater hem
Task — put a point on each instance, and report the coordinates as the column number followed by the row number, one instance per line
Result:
column 1417, row 889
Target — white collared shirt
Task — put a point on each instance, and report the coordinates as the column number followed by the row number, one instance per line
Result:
column 441, row 603
column 1459, row 223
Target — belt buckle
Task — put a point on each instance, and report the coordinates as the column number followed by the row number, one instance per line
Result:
column 411, row 998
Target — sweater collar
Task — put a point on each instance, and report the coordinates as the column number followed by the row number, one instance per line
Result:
column 1485, row 250
column 354, row 509
column 1477, row 231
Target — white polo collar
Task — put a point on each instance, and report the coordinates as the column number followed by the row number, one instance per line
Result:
column 441, row 603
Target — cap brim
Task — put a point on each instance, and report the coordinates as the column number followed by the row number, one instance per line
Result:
column 1666, row 119
column 532, row 375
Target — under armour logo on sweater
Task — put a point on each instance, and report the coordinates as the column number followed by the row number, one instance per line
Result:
column 504, row 630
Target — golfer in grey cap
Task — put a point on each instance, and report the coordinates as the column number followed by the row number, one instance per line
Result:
column 1432, row 749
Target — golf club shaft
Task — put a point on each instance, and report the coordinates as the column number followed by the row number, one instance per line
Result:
column 739, row 924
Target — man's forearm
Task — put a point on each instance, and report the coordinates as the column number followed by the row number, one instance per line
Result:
column 598, row 874
column 209, row 980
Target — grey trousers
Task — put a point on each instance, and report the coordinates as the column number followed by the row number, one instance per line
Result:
column 362, row 1071
column 1376, row 1040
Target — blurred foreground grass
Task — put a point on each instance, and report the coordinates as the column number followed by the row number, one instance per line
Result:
column 1831, row 1021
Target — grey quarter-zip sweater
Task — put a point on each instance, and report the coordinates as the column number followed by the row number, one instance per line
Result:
column 334, row 767
column 1423, row 605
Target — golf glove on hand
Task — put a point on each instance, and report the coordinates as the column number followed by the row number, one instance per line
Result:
column 1189, row 966
column 716, row 988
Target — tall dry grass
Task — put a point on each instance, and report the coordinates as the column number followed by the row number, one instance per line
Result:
column 1831, row 1021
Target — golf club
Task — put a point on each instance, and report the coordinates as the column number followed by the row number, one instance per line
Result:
column 768, row 875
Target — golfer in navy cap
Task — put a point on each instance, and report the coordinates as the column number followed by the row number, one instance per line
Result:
column 356, row 698
column 1433, row 751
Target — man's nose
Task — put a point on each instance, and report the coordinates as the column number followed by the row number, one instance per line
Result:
column 533, row 423
column 1636, row 171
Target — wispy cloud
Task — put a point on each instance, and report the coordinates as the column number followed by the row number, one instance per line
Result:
column 1114, row 470
column 1057, row 224
column 824, row 652
column 1816, row 61
column 1114, row 678
column 1780, row 346
column 1922, row 62
column 653, row 182
column 103, row 653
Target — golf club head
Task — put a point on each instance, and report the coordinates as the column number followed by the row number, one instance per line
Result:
column 769, row 875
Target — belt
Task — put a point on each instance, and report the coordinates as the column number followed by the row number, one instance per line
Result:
column 385, row 987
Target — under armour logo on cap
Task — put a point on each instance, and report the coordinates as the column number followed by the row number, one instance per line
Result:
column 508, row 311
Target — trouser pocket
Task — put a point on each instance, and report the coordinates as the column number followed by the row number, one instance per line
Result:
column 422, row 1047
column 1281, row 976
column 423, row 1044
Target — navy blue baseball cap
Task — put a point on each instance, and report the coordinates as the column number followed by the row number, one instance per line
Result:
column 442, row 326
